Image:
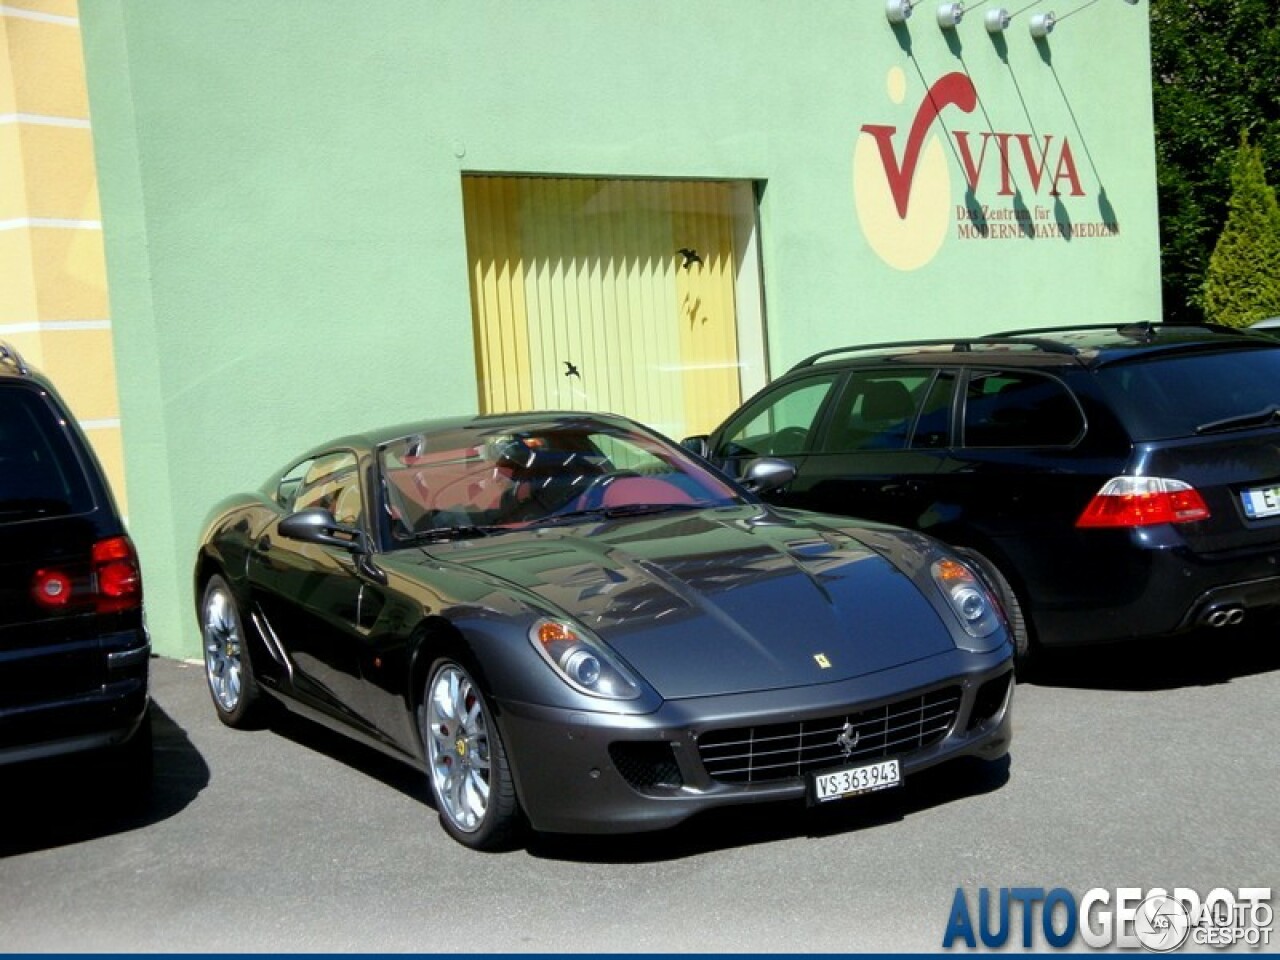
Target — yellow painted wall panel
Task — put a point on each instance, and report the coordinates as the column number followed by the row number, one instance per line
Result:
column 61, row 178
column 108, row 446
column 70, row 272
column 27, row 344
column 46, row 69
column 81, row 364
column 13, row 175
column 56, row 8
column 17, row 282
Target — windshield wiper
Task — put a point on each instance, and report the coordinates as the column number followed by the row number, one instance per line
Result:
column 1258, row 418
column 623, row 510
column 465, row 532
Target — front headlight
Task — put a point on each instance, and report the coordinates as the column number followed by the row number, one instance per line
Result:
column 581, row 661
column 974, row 606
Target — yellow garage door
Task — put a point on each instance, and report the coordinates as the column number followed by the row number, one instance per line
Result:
column 613, row 295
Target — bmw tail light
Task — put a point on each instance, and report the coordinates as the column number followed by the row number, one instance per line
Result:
column 1143, row 502
column 117, row 578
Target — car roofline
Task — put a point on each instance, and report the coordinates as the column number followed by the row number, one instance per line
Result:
column 1039, row 342
column 954, row 345
column 9, row 355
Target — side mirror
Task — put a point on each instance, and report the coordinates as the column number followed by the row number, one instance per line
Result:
column 317, row 525
column 697, row 445
column 765, row 474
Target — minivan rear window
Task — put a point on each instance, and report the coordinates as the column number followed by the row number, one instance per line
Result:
column 1182, row 395
column 40, row 474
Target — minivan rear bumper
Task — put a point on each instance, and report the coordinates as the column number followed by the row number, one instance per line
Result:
column 60, row 721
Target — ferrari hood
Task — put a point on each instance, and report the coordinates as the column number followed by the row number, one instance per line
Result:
column 727, row 601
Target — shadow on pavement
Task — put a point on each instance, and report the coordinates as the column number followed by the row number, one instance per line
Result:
column 64, row 800
column 410, row 781
column 769, row 822
column 1205, row 657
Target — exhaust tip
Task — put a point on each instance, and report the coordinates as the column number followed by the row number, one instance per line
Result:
column 1228, row 615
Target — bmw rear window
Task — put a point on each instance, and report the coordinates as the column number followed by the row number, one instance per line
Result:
column 1188, row 394
column 40, row 473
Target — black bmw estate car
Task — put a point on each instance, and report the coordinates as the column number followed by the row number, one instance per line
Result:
column 73, row 645
column 1113, row 481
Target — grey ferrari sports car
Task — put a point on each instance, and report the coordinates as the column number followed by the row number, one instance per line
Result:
column 575, row 625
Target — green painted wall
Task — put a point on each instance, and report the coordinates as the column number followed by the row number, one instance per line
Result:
column 282, row 205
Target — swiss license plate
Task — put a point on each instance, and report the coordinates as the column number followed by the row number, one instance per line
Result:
column 851, row 781
column 1261, row 502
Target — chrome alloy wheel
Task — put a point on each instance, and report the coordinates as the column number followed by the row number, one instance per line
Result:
column 457, row 727
column 222, row 649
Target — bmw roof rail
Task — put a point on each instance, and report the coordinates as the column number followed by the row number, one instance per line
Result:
column 1141, row 328
column 10, row 355
column 957, row 345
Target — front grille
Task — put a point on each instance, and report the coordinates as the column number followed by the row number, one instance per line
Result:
column 646, row 764
column 780, row 751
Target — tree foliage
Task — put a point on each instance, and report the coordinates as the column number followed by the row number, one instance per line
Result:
column 1215, row 65
column 1243, row 280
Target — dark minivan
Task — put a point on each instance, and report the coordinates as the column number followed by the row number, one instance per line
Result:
column 1118, row 481
column 73, row 643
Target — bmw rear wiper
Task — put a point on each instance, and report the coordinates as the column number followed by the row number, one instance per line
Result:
column 1258, row 418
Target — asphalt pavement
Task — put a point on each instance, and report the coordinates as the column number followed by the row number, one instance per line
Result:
column 1152, row 764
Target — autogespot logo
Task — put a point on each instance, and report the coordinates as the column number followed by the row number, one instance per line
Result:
column 1156, row 920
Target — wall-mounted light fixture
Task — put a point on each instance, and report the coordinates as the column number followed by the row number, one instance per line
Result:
column 950, row 15
column 1042, row 24
column 997, row 20
column 897, row 10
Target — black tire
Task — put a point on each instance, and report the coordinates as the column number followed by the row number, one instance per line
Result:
column 227, row 665
column 1024, row 647
column 466, row 761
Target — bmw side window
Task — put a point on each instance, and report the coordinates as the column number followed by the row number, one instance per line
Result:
column 1019, row 409
column 933, row 426
column 780, row 424
column 876, row 411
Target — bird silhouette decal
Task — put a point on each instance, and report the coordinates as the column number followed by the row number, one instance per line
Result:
column 690, row 256
column 570, row 370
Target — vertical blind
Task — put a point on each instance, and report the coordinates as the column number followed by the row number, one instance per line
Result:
column 582, row 300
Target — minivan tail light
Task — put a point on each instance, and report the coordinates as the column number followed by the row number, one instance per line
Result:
column 113, row 583
column 118, row 581
column 1143, row 502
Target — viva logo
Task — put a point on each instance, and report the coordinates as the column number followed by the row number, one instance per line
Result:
column 902, row 191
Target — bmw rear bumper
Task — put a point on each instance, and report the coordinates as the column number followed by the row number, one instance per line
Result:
column 579, row 772
column 1155, row 586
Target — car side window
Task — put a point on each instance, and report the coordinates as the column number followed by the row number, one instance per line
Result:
column 933, row 426
column 876, row 410
column 330, row 481
column 1019, row 409
column 779, row 424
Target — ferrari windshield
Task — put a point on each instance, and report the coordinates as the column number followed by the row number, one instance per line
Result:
column 476, row 480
